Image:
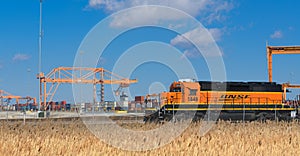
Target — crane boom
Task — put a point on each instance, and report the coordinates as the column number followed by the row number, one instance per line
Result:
column 273, row 50
column 8, row 97
column 78, row 75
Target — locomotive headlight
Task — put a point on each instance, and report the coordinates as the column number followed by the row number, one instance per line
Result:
column 293, row 114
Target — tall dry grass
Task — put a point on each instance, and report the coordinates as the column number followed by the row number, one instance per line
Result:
column 73, row 138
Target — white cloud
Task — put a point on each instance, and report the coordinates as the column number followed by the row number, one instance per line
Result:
column 216, row 13
column 200, row 37
column 190, row 6
column 102, row 61
column 143, row 16
column 20, row 57
column 108, row 5
column 191, row 53
column 206, row 10
column 277, row 34
column 195, row 53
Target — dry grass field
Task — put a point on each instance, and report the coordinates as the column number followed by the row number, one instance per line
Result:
column 73, row 138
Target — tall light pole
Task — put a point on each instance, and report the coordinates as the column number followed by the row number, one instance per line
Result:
column 27, row 83
column 40, row 53
column 80, row 75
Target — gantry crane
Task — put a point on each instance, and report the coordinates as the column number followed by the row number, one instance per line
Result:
column 5, row 96
column 78, row 75
column 272, row 50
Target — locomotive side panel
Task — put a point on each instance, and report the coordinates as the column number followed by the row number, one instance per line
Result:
column 221, row 97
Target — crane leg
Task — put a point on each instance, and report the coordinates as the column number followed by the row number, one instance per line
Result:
column 102, row 93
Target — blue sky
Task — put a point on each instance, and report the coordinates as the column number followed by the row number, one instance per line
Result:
column 241, row 29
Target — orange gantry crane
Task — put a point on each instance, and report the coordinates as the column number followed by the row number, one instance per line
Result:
column 5, row 96
column 80, row 75
column 274, row 50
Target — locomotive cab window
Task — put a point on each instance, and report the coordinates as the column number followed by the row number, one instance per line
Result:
column 193, row 92
column 177, row 89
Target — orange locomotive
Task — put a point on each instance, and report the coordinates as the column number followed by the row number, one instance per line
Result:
column 233, row 100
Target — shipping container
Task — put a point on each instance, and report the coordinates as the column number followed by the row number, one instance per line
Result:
column 139, row 99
